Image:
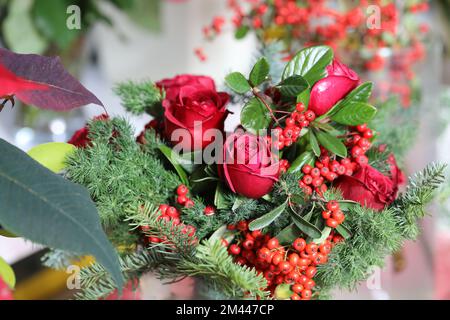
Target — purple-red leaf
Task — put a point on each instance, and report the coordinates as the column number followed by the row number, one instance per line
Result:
column 42, row 82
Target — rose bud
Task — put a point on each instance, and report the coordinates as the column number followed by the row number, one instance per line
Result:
column 370, row 188
column 339, row 82
column 249, row 168
column 193, row 104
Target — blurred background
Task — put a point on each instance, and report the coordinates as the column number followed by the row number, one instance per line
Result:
column 122, row 40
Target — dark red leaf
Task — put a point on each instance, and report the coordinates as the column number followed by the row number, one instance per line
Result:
column 42, row 82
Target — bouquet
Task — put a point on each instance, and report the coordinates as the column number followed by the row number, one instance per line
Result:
column 301, row 198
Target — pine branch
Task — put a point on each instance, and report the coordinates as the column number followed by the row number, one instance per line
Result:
column 213, row 263
column 140, row 97
column 96, row 282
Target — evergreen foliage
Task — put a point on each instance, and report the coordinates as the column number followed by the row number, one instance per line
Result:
column 140, row 97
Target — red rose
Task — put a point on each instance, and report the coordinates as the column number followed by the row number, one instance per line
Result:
column 80, row 138
column 339, row 82
column 173, row 86
column 370, row 188
column 193, row 104
column 248, row 166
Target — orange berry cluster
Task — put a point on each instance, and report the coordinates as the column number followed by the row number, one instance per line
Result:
column 294, row 265
column 333, row 215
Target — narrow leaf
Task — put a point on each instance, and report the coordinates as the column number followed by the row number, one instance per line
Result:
column 304, row 97
column 255, row 116
column 293, row 86
column 48, row 209
column 219, row 199
column 343, row 231
column 237, row 82
column 314, row 144
column 173, row 159
column 268, row 218
column 306, row 227
column 310, row 63
column 241, row 32
column 259, row 72
column 306, row 157
column 42, row 82
column 355, row 113
column 332, row 144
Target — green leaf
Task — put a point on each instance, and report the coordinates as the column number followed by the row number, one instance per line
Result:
column 52, row 155
column 310, row 63
column 355, row 113
column 51, row 21
column 289, row 234
column 360, row 94
column 237, row 82
column 19, row 30
column 343, row 231
column 219, row 198
column 325, row 233
column 306, row 227
column 306, row 157
column 347, row 205
column 173, row 159
column 314, row 144
column 223, row 233
column 332, row 144
column 259, row 72
column 6, row 233
column 293, row 86
column 268, row 218
column 255, row 116
column 46, row 208
column 7, row 274
column 283, row 291
column 241, row 32
column 304, row 97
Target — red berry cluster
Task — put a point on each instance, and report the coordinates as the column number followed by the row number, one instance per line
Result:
column 182, row 196
column 333, row 215
column 328, row 170
column 284, row 165
column 297, row 120
column 294, row 265
column 170, row 214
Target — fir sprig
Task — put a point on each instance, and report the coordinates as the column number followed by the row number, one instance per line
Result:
column 140, row 97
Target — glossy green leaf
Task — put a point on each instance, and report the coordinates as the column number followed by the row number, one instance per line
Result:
column 332, row 144
column 7, row 274
column 310, row 63
column 346, row 205
column 219, row 198
column 237, row 82
column 325, row 233
column 52, row 155
column 241, row 32
column 344, row 231
column 259, row 72
column 268, row 218
column 293, row 86
column 45, row 208
column 360, row 94
column 306, row 157
column 355, row 113
column 305, row 226
column 255, row 116
column 314, row 143
column 173, row 159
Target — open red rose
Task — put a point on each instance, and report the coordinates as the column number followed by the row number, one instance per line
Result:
column 80, row 138
column 339, row 82
column 173, row 86
column 370, row 188
column 248, row 166
column 193, row 104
